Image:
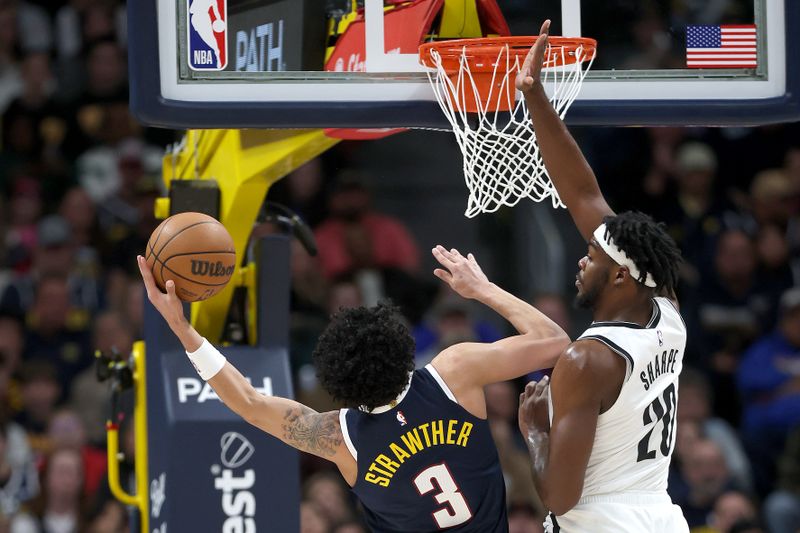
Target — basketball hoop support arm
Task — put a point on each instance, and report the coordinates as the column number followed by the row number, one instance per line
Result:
column 244, row 163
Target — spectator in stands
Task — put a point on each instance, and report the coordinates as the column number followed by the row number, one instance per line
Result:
column 731, row 509
column 556, row 309
column 327, row 491
column 57, row 331
column 774, row 207
column 731, row 308
column 12, row 344
column 706, row 474
column 67, row 431
column 694, row 407
column 35, row 26
column 16, row 454
column 10, row 79
column 356, row 237
column 303, row 191
column 24, row 210
column 54, row 257
column 772, row 194
column 312, row 518
column 36, row 106
column 769, row 381
column 18, row 482
column 40, row 391
column 78, row 210
column 61, row 507
column 782, row 507
column 344, row 293
column 695, row 215
column 451, row 321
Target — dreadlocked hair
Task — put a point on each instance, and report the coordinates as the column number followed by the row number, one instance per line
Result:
column 364, row 356
column 648, row 245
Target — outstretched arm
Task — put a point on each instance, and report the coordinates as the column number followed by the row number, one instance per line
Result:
column 467, row 367
column 573, row 178
column 585, row 380
column 290, row 421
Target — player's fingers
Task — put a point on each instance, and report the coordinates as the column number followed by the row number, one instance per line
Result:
column 443, row 275
column 545, row 27
column 530, row 388
column 147, row 276
column 542, row 385
column 170, row 285
column 526, row 65
column 444, row 257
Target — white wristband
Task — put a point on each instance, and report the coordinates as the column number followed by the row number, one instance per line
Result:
column 207, row 360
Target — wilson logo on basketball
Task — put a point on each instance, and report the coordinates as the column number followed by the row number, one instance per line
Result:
column 207, row 268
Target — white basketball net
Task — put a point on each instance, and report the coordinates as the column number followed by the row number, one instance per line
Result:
column 502, row 164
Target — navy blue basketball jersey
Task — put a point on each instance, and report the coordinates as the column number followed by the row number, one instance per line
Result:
column 426, row 464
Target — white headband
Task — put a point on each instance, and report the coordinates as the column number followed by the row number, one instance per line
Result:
column 618, row 255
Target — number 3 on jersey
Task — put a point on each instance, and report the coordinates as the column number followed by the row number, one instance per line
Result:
column 448, row 494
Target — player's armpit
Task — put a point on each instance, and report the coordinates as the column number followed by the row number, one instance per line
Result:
column 585, row 379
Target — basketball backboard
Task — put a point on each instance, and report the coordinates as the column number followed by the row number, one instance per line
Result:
column 320, row 63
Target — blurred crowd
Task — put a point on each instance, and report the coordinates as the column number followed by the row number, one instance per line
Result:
column 78, row 177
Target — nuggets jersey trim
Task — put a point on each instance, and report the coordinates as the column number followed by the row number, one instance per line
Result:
column 440, row 381
column 346, row 434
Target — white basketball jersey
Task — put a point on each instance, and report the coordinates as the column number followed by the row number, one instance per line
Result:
column 635, row 437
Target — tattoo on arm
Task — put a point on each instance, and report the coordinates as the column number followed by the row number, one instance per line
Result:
column 307, row 430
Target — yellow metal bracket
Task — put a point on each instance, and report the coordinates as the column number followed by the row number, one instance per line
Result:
column 244, row 163
column 138, row 500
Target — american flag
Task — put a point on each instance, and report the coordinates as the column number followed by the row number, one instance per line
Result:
column 729, row 46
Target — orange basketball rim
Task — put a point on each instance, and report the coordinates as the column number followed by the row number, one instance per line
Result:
column 482, row 71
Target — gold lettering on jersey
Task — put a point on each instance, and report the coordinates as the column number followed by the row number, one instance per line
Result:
column 434, row 433
column 399, row 452
column 437, row 432
column 463, row 436
column 412, row 440
column 663, row 363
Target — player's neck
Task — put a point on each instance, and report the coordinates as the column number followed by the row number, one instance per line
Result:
column 638, row 311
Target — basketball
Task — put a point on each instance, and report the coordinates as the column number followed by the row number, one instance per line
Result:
column 218, row 26
column 193, row 250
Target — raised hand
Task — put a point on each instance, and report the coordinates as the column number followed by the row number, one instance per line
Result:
column 463, row 274
column 532, row 66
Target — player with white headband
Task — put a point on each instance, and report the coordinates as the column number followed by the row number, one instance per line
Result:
column 601, row 431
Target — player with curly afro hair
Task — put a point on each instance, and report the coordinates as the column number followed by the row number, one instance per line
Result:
column 365, row 356
column 404, row 435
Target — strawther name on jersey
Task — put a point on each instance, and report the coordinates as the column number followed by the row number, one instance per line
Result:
column 662, row 363
column 434, row 433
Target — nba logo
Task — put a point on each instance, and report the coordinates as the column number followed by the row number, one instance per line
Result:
column 208, row 34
